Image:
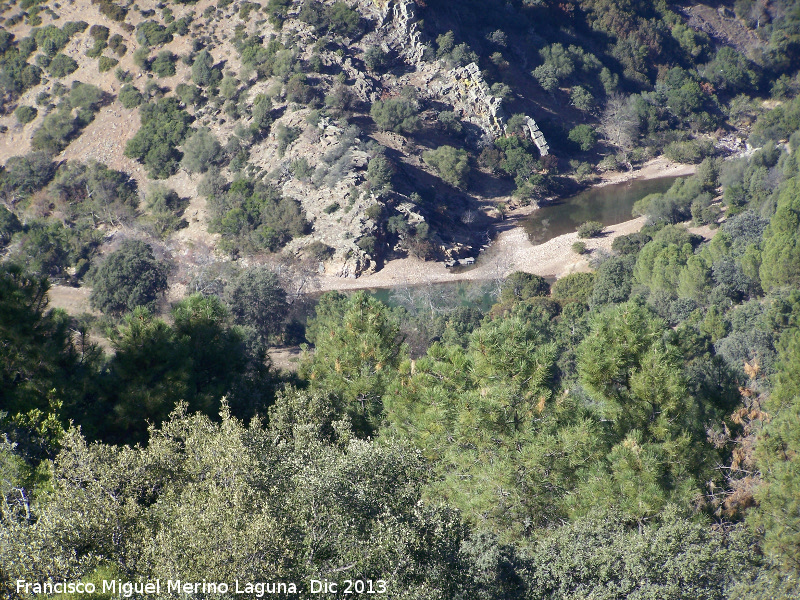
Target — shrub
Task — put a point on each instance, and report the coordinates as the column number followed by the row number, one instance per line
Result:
column 285, row 136
column 691, row 151
column 258, row 303
column 150, row 33
column 523, row 286
column 111, row 10
column 129, row 96
column 61, row 66
column 9, row 225
column 319, row 250
column 337, row 18
column 584, row 136
column 630, row 244
column 25, row 114
column 190, row 95
column 129, row 277
column 201, row 151
column 24, row 175
column 450, row 121
column 105, row 63
column 579, row 247
column 452, row 164
column 590, row 229
column 375, row 59
column 203, row 72
column 164, row 126
column 380, row 171
column 166, row 208
column 396, row 114
column 99, row 32
column 575, row 287
column 164, row 64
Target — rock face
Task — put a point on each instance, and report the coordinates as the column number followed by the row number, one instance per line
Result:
column 469, row 93
column 464, row 87
column 404, row 33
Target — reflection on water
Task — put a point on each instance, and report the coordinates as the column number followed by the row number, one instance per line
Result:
column 610, row 204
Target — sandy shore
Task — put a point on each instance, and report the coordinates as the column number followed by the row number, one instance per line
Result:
column 512, row 250
column 654, row 168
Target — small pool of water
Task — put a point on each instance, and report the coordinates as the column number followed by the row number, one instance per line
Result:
column 610, row 204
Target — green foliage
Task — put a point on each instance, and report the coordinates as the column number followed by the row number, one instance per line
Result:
column 25, row 114
column 197, row 359
column 674, row 205
column 106, row 63
column 166, row 208
column 590, row 229
column 164, row 64
column 356, row 350
column 691, row 151
column 657, row 450
column 396, row 114
column 61, row 66
column 452, row 164
column 164, row 126
column 777, row 124
column 485, row 420
column 113, row 11
column 151, row 33
column 129, row 96
column 661, row 260
column 666, row 560
column 559, row 64
column 780, row 256
column 201, row 151
column 613, row 282
column 578, row 247
column 285, row 136
column 337, row 18
column 520, row 286
column 575, row 287
column 61, row 126
column 777, row 453
column 255, row 217
column 203, row 72
column 9, row 225
column 277, row 10
column 584, row 136
column 36, row 354
column 128, row 278
column 23, row 175
column 92, row 193
column 380, row 171
column 258, row 304
column 731, row 72
column 375, row 59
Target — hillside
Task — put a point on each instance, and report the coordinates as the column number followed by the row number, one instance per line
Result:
column 460, row 115
column 243, row 342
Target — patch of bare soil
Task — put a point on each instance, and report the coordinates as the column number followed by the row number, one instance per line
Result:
column 285, row 359
column 71, row 299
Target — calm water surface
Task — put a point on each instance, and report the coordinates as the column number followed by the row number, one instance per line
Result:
column 610, row 204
